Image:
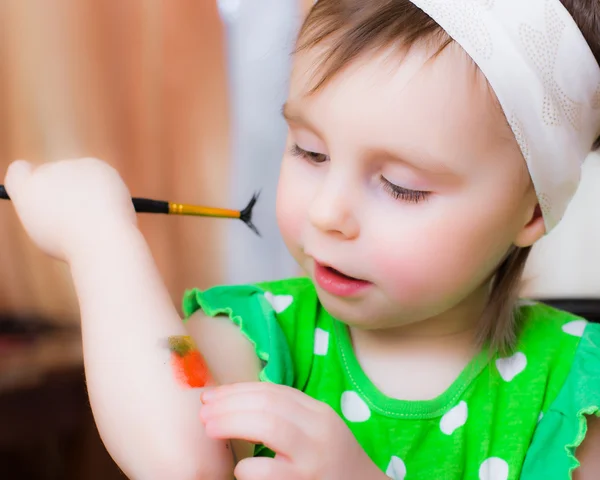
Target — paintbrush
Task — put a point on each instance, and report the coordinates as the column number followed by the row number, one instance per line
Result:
column 147, row 205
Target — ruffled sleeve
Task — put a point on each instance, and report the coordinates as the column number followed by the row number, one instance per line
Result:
column 273, row 316
column 563, row 427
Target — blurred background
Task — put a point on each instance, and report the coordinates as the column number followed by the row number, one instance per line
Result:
column 183, row 98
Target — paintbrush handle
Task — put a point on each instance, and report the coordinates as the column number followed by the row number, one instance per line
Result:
column 147, row 205
column 141, row 205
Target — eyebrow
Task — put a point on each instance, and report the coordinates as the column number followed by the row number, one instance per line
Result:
column 291, row 115
column 294, row 117
column 433, row 166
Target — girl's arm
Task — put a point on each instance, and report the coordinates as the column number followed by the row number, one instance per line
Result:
column 588, row 453
column 148, row 422
column 80, row 212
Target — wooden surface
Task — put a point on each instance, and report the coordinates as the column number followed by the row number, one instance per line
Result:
column 47, row 430
column 30, row 362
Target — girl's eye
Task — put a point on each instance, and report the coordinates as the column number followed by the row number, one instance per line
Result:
column 399, row 193
column 312, row 156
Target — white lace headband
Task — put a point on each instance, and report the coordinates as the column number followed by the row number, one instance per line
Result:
column 545, row 77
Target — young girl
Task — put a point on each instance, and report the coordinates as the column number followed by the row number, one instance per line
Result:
column 431, row 144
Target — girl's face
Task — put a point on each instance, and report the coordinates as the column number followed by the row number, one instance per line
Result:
column 401, row 172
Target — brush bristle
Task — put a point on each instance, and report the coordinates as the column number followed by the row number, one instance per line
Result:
column 246, row 213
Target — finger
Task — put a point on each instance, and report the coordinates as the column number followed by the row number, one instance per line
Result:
column 17, row 175
column 215, row 395
column 276, row 433
column 263, row 401
column 259, row 400
column 264, row 468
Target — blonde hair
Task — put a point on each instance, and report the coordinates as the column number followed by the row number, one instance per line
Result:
column 352, row 28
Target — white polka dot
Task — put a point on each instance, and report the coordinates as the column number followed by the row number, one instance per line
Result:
column 540, row 417
column 493, row 469
column 510, row 367
column 354, row 408
column 396, row 469
column 575, row 328
column 279, row 302
column 321, row 341
column 454, row 419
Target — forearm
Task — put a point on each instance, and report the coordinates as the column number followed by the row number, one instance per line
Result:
column 149, row 424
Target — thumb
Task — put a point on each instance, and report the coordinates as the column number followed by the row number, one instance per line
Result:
column 17, row 175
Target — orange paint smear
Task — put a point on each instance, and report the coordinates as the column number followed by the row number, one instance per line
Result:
column 190, row 369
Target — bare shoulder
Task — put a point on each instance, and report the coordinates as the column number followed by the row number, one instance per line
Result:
column 587, row 453
column 228, row 353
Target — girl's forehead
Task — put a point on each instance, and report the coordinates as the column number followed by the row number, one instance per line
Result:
column 392, row 71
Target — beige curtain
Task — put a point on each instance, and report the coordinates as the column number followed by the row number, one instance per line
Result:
column 140, row 84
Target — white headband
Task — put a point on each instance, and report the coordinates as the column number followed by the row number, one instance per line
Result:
column 545, row 77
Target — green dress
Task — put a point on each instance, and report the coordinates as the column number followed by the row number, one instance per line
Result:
column 503, row 418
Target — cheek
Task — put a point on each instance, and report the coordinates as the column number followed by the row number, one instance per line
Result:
column 289, row 222
column 292, row 203
column 436, row 263
column 403, row 267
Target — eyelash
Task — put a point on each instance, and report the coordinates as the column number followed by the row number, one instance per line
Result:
column 310, row 156
column 395, row 191
column 400, row 193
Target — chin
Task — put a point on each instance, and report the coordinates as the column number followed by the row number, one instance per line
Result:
column 369, row 313
column 352, row 311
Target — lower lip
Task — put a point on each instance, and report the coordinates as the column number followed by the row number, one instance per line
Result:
column 336, row 284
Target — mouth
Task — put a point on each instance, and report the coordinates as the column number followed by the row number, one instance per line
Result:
column 339, row 273
column 337, row 282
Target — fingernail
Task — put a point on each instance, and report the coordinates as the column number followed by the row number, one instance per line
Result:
column 207, row 395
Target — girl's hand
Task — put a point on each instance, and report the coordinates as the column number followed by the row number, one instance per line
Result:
column 310, row 440
column 68, row 204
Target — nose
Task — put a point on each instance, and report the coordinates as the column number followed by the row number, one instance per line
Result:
column 332, row 209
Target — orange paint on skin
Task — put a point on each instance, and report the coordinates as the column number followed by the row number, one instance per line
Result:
column 189, row 365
